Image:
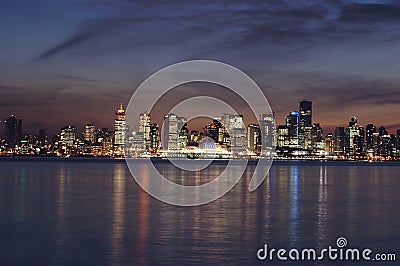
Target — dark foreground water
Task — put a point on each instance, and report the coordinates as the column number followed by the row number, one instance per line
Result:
column 93, row 213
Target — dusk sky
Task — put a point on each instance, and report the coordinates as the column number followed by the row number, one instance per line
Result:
column 73, row 62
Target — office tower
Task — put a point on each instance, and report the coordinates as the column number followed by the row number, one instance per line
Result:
column 144, row 127
column 292, row 122
column 317, row 139
column 236, row 130
column 89, row 134
column 154, row 138
column 174, row 132
column 254, row 138
column 384, row 148
column 352, row 137
column 68, row 136
column 283, row 136
column 13, row 131
column 330, row 144
column 120, row 129
column 305, row 124
column 42, row 137
column 213, row 130
column 340, row 141
column 267, row 130
column 370, row 130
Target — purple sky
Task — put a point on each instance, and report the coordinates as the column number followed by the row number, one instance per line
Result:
column 73, row 62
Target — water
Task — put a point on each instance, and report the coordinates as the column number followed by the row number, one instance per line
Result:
column 89, row 212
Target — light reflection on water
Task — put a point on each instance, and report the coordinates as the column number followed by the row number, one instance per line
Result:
column 85, row 212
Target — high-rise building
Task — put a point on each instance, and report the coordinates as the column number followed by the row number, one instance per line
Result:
column 144, row 127
column 317, row 139
column 68, row 136
column 354, row 137
column 292, row 122
column 370, row 130
column 267, row 131
column 13, row 131
column 213, row 130
column 154, row 138
column 120, row 129
column 340, row 141
column 174, row 132
column 305, row 125
column 233, row 123
column 282, row 136
column 89, row 134
column 254, row 138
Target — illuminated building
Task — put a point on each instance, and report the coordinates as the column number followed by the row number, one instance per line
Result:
column 68, row 136
column 144, row 127
column 89, row 134
column 267, row 131
column 42, row 137
column 283, row 136
column 340, row 141
column 154, row 138
column 292, row 123
column 120, row 131
column 317, row 139
column 174, row 132
column 254, row 138
column 13, row 131
column 305, row 125
column 236, row 130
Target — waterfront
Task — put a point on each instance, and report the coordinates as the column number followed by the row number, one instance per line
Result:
column 91, row 212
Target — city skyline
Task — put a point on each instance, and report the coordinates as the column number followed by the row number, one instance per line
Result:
column 71, row 61
column 80, row 125
column 299, row 136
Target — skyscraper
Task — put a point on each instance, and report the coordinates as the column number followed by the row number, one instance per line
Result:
column 305, row 124
column 120, row 131
column 68, row 136
column 236, row 129
column 267, row 130
column 254, row 138
column 144, row 127
column 13, row 131
column 370, row 130
column 42, row 138
column 292, row 122
column 154, row 137
column 89, row 134
column 174, row 129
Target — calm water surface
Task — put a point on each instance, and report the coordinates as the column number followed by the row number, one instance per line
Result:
column 89, row 212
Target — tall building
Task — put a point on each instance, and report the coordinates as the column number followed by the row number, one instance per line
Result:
column 317, row 139
column 174, row 132
column 354, row 138
column 340, row 141
column 370, row 130
column 292, row 123
column 13, row 131
column 154, row 138
column 68, row 136
column 120, row 131
column 89, row 134
column 144, row 127
column 283, row 136
column 254, row 138
column 305, row 125
column 236, row 130
column 267, row 130
column 213, row 130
